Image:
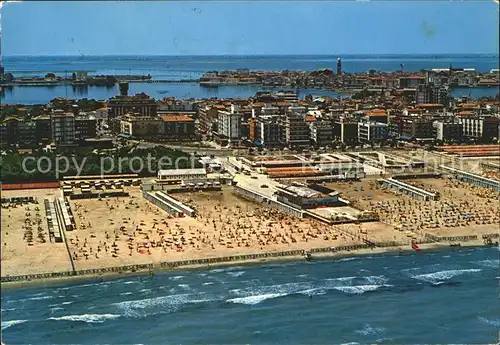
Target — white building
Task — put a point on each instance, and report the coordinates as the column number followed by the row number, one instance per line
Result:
column 177, row 175
column 229, row 123
column 371, row 131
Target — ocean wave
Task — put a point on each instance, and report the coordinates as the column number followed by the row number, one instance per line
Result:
column 159, row 305
column 376, row 279
column 369, row 330
column 208, row 283
column 55, row 309
column 347, row 259
column 125, row 293
column 145, row 290
column 7, row 324
column 175, row 277
column 491, row 322
column 38, row 298
column 493, row 263
column 440, row 276
column 252, row 300
column 7, row 309
column 68, row 302
column 226, row 269
column 130, row 282
column 342, row 279
column 236, row 274
column 88, row 318
column 359, row 289
column 313, row 292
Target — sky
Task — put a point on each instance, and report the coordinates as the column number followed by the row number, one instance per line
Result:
column 249, row 28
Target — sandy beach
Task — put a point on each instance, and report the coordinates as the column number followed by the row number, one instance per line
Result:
column 122, row 231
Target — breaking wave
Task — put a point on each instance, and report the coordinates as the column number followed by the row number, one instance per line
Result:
column 369, row 330
column 491, row 322
column 7, row 324
column 159, row 305
column 88, row 318
column 440, row 276
column 251, row 300
column 359, row 289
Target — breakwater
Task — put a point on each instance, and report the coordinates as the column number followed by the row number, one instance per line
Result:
column 451, row 238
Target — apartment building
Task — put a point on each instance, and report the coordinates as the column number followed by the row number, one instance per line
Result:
column 483, row 128
column 371, row 131
column 448, row 131
column 321, row 132
column 63, row 128
column 297, row 131
column 267, row 131
column 139, row 126
column 417, row 128
column 178, row 127
column 229, row 123
column 85, row 127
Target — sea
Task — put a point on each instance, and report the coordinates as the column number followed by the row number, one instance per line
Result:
column 445, row 297
column 192, row 67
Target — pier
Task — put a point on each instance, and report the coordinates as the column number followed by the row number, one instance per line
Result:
column 477, row 180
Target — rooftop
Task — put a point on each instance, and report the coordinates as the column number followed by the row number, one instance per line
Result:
column 177, row 118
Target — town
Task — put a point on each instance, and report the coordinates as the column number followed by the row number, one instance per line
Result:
column 394, row 166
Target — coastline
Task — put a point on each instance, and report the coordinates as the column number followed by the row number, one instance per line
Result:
column 153, row 269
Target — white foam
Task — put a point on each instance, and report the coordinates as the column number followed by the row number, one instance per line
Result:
column 145, row 290
column 251, row 300
column 313, row 292
column 208, row 283
column 39, row 298
column 491, row 322
column 130, row 282
column 359, row 289
column 440, row 276
column 175, row 277
column 374, row 280
column 89, row 318
column 342, row 279
column 158, row 305
column 8, row 309
column 125, row 293
column 7, row 324
column 494, row 263
column 236, row 274
column 369, row 330
column 69, row 302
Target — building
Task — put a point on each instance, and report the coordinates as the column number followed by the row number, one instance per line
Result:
column 297, row 131
column 301, row 196
column 371, row 131
column 321, row 132
column 63, row 128
column 417, row 128
column 268, row 131
column 140, row 103
column 480, row 128
column 139, row 126
column 85, row 127
column 229, row 123
column 43, row 129
column 339, row 67
column 429, row 93
column 179, row 175
column 411, row 82
column 448, row 131
column 178, row 127
column 346, row 131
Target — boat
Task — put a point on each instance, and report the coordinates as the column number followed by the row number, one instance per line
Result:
column 415, row 247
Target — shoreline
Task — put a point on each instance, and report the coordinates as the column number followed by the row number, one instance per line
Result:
column 318, row 254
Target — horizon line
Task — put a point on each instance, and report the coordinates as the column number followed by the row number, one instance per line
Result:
column 243, row 55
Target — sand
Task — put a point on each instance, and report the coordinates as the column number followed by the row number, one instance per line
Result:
column 130, row 230
column 18, row 257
